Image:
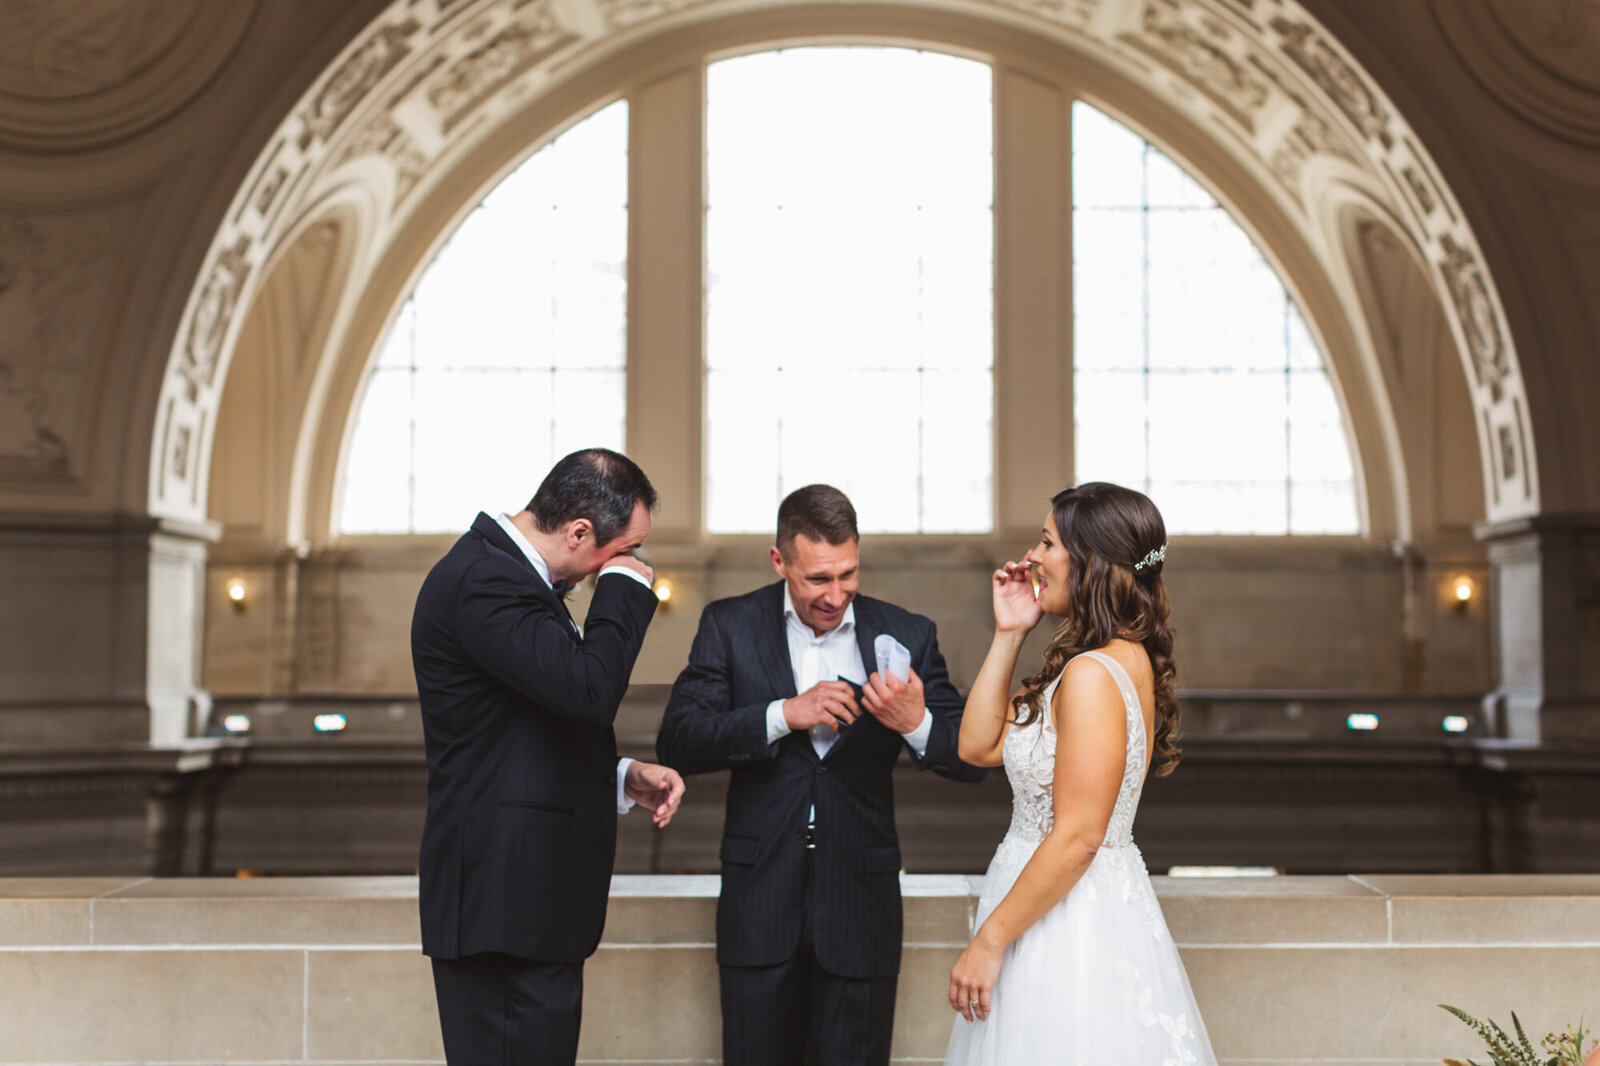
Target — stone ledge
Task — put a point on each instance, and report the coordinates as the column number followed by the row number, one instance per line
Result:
column 327, row 971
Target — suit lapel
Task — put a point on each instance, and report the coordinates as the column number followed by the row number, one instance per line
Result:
column 772, row 643
column 866, row 633
column 490, row 530
column 771, row 640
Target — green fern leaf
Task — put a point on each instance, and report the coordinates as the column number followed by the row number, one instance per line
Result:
column 1522, row 1036
column 1501, row 1048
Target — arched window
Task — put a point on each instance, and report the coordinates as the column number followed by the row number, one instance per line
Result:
column 1195, row 378
column 849, row 311
column 509, row 353
column 849, row 293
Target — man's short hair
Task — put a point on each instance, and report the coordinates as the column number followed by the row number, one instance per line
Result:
column 821, row 512
column 595, row 483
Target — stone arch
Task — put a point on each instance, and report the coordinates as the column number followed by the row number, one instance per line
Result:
column 426, row 84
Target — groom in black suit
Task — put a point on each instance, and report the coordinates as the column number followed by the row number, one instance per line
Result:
column 524, row 784
column 781, row 689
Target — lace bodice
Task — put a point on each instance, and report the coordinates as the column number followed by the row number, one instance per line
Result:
column 1030, row 760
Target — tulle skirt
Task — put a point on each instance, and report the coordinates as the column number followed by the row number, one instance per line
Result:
column 1097, row 981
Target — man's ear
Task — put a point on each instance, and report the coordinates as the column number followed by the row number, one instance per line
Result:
column 579, row 531
column 777, row 560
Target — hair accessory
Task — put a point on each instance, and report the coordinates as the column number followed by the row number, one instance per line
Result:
column 1157, row 555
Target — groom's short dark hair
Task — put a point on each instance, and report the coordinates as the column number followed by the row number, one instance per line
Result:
column 595, row 483
column 821, row 512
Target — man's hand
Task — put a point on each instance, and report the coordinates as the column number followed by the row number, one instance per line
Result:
column 629, row 562
column 829, row 703
column 897, row 704
column 657, row 787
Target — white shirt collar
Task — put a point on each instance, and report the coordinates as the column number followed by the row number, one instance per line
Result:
column 846, row 624
column 539, row 565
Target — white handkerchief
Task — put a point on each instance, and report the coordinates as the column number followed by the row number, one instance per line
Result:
column 893, row 657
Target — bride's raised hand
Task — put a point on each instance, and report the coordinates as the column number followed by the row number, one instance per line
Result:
column 1016, row 608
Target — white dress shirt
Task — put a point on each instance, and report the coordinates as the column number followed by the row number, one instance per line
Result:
column 832, row 655
column 624, row 804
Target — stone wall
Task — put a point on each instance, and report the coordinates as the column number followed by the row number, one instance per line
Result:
column 1286, row 970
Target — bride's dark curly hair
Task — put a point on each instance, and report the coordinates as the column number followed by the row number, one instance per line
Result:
column 1107, row 529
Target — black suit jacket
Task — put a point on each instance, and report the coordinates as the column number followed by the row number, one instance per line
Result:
column 717, row 719
column 522, row 763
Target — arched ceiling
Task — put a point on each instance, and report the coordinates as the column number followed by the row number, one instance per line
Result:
column 429, row 80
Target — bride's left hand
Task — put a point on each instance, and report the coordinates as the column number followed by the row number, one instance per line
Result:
column 972, row 980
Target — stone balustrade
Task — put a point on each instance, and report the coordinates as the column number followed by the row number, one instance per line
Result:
column 327, row 970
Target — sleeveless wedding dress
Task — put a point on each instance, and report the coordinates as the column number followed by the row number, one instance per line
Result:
column 1097, row 980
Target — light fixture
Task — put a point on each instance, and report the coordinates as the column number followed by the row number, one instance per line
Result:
column 329, row 723
column 1362, row 722
column 238, row 594
column 664, row 590
column 1455, row 723
column 1462, row 590
column 236, row 723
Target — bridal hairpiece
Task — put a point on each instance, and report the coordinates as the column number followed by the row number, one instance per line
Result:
column 1157, row 555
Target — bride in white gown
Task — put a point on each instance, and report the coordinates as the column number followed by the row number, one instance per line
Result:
column 1072, row 962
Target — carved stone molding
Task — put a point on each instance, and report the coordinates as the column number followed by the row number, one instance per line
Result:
column 81, row 75
column 429, row 79
column 1485, row 338
column 469, row 81
column 1208, row 53
column 1551, row 73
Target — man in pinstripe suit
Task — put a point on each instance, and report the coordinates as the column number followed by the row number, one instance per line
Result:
column 780, row 690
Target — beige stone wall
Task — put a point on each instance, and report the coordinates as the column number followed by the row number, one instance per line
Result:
column 1316, row 613
column 1286, row 971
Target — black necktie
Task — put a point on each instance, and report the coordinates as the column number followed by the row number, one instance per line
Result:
column 562, row 587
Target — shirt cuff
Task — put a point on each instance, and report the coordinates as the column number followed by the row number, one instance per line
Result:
column 777, row 726
column 626, row 572
column 918, row 737
column 624, row 804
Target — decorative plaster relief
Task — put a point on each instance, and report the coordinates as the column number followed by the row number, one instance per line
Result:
column 219, row 297
column 1551, row 74
column 80, row 75
column 355, row 77
column 475, row 77
column 1479, row 322
column 55, row 272
column 430, row 75
column 1206, row 53
column 1562, row 36
column 1335, row 77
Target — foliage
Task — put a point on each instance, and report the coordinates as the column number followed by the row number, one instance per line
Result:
column 1560, row 1049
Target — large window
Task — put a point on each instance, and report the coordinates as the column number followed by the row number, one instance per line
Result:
column 1195, row 378
column 849, row 296
column 510, row 352
column 849, row 317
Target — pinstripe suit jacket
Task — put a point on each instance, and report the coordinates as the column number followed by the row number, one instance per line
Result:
column 716, row 719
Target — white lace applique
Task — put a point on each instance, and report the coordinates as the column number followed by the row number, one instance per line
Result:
column 1180, row 1038
column 1030, row 760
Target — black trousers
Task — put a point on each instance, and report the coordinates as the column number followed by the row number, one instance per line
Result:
column 797, row 1012
column 500, row 1010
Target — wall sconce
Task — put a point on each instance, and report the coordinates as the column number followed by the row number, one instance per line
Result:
column 1462, row 591
column 238, row 595
column 663, row 591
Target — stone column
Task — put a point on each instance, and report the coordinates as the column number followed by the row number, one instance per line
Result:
column 1545, row 599
column 100, row 629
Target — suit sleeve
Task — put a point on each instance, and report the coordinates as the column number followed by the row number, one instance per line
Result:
column 515, row 636
column 701, row 730
column 945, row 705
